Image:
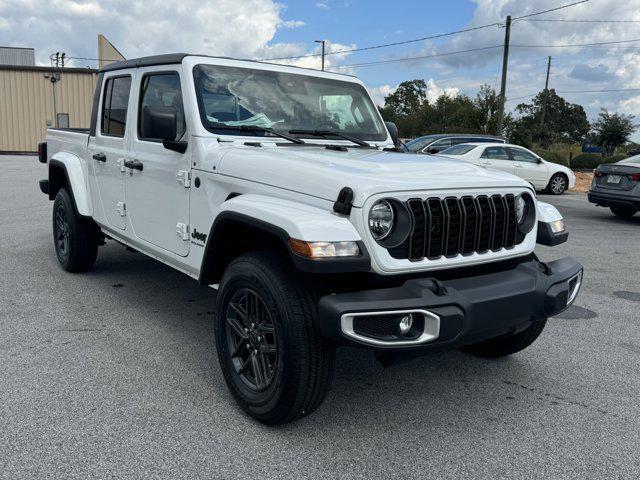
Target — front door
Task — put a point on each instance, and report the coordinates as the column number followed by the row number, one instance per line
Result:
column 496, row 157
column 158, row 195
column 527, row 167
column 110, row 149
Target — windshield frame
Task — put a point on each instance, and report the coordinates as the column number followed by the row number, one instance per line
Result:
column 373, row 138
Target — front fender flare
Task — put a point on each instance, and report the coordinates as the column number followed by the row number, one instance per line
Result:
column 280, row 220
column 72, row 166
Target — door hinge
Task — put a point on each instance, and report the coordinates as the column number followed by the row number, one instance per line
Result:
column 120, row 163
column 182, row 229
column 184, row 178
column 121, row 208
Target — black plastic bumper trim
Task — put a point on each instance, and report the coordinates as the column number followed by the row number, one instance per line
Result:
column 546, row 236
column 613, row 200
column 472, row 309
column 44, row 186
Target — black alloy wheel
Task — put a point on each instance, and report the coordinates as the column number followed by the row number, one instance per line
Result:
column 252, row 339
column 61, row 232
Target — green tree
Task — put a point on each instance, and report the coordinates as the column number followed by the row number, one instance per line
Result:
column 612, row 130
column 404, row 107
column 563, row 121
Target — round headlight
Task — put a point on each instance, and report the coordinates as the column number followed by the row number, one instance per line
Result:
column 521, row 209
column 381, row 219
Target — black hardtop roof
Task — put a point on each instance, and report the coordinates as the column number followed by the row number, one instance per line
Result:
column 176, row 58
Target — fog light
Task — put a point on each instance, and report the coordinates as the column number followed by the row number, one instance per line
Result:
column 405, row 324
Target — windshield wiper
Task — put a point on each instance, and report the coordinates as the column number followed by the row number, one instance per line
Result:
column 254, row 128
column 326, row 133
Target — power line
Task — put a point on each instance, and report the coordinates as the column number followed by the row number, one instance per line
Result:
column 431, row 37
column 411, row 59
column 373, row 47
column 608, row 90
column 550, row 10
column 563, row 20
column 571, row 45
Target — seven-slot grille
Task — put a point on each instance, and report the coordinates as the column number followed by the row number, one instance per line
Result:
column 452, row 226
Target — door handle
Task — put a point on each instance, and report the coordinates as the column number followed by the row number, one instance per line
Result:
column 519, row 166
column 134, row 164
column 101, row 157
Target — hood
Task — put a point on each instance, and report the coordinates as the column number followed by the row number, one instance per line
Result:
column 318, row 171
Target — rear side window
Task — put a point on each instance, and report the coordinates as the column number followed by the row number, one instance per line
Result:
column 163, row 90
column 114, row 106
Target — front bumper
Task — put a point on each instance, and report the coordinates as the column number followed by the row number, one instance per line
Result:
column 460, row 311
column 617, row 199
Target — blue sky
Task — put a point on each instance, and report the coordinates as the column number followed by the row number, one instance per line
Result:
column 270, row 28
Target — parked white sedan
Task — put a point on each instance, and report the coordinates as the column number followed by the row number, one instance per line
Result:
column 543, row 175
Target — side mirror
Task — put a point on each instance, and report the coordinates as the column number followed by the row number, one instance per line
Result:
column 433, row 150
column 539, row 160
column 393, row 131
column 158, row 123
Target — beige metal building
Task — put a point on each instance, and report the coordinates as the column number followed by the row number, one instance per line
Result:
column 30, row 102
column 33, row 98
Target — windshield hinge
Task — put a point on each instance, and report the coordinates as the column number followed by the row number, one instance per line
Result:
column 184, row 178
column 182, row 229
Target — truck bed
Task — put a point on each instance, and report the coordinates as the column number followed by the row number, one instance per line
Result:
column 71, row 140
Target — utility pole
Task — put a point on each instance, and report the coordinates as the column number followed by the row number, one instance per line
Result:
column 322, row 42
column 545, row 96
column 503, row 85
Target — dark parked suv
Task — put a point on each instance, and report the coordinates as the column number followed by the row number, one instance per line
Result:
column 436, row 143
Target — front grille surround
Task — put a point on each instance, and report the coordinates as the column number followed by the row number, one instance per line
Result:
column 452, row 226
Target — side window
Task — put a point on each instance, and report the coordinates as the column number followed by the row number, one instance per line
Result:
column 496, row 153
column 114, row 106
column 163, row 90
column 459, row 140
column 523, row 156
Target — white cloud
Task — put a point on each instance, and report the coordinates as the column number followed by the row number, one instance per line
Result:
column 434, row 91
column 243, row 29
column 323, row 5
column 378, row 93
column 293, row 24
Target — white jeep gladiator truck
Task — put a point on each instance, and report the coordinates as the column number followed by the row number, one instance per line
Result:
column 284, row 188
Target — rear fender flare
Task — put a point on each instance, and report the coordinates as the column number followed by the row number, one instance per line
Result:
column 75, row 179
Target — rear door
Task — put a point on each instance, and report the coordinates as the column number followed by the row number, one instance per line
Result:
column 158, row 195
column 527, row 167
column 111, row 148
column 498, row 158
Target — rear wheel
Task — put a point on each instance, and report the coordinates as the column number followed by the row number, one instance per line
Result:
column 274, row 360
column 558, row 184
column 624, row 212
column 75, row 238
column 507, row 344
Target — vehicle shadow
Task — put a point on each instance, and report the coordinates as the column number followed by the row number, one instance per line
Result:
column 436, row 389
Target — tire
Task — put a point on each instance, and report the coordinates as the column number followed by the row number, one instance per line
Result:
column 623, row 212
column 279, row 309
column 75, row 238
column 558, row 184
column 507, row 344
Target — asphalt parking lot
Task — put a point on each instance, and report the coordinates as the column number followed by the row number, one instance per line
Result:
column 113, row 374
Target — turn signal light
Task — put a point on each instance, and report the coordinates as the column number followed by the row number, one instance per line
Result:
column 324, row 249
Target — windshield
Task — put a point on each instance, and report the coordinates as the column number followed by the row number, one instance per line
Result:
column 419, row 143
column 458, row 149
column 235, row 96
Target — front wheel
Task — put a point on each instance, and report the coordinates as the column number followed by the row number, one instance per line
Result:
column 623, row 212
column 272, row 355
column 558, row 184
column 507, row 344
